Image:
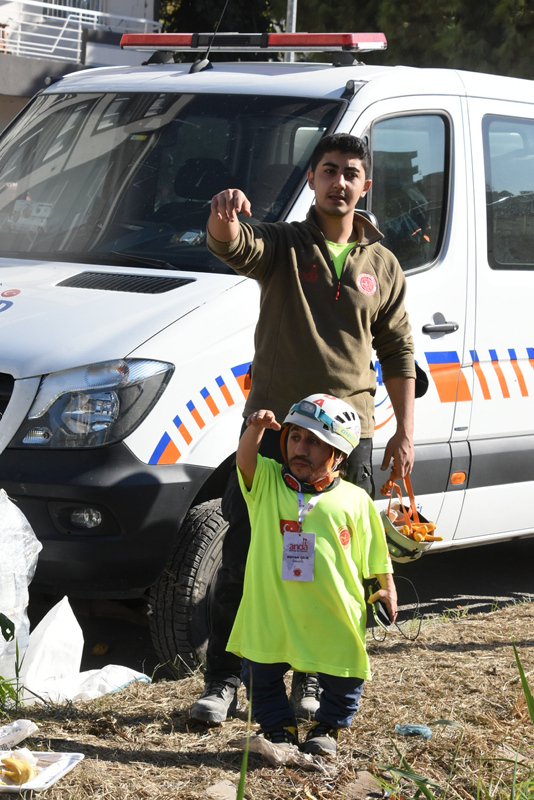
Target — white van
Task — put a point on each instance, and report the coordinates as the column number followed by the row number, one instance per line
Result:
column 125, row 346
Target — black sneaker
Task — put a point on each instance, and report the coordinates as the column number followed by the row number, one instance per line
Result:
column 217, row 701
column 321, row 740
column 305, row 694
column 283, row 737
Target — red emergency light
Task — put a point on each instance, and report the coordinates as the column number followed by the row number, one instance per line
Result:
column 241, row 42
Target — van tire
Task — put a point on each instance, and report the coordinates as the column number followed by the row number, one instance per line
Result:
column 179, row 616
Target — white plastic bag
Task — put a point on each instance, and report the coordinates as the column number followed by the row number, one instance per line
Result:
column 54, row 651
column 19, row 548
column 14, row 732
column 52, row 665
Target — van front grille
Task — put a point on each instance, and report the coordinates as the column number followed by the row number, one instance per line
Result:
column 6, row 390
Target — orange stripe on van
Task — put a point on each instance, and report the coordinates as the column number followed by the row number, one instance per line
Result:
column 242, row 376
column 170, row 455
column 196, row 416
column 224, row 391
column 500, row 374
column 480, row 375
column 210, row 402
column 519, row 375
column 447, row 374
column 381, row 425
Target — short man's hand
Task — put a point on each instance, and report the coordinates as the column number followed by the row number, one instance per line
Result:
column 228, row 204
column 263, row 419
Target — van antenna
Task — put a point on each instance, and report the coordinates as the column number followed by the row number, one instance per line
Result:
column 205, row 63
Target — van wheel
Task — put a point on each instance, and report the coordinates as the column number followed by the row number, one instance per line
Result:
column 179, row 601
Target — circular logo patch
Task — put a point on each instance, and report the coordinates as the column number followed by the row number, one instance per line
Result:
column 366, row 283
column 11, row 293
column 297, row 573
column 344, row 536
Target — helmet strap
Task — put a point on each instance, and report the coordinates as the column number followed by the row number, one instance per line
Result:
column 330, row 481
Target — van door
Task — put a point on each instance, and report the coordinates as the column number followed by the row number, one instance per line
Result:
column 501, row 438
column 420, row 197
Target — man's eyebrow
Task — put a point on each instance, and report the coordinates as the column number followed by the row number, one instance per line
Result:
column 352, row 167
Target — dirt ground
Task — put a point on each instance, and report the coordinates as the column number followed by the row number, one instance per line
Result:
column 140, row 743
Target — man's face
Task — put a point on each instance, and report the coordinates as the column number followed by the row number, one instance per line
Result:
column 308, row 457
column 338, row 182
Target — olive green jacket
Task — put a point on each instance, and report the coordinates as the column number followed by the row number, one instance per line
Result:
column 316, row 333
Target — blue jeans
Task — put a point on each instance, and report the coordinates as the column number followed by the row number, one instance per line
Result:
column 270, row 705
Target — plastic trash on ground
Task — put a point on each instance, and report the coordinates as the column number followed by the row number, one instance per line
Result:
column 46, row 769
column 283, row 756
column 414, row 730
column 53, row 659
column 19, row 548
column 14, row 732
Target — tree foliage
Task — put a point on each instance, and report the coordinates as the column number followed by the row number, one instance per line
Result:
column 202, row 16
column 495, row 36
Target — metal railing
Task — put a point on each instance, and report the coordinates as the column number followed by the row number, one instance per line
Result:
column 54, row 30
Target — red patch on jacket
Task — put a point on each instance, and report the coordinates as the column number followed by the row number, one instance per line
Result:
column 310, row 276
column 366, row 283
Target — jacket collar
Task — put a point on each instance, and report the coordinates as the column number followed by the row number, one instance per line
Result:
column 365, row 231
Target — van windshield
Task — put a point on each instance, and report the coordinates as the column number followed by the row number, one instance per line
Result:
column 110, row 178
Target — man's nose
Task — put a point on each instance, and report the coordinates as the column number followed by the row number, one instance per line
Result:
column 340, row 179
column 301, row 448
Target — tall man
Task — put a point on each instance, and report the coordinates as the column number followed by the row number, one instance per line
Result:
column 329, row 294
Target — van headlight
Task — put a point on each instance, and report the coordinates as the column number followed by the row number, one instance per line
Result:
column 93, row 405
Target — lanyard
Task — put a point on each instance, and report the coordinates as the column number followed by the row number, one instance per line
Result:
column 305, row 509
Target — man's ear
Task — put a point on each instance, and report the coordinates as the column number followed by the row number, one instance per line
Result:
column 340, row 458
column 366, row 187
column 310, row 179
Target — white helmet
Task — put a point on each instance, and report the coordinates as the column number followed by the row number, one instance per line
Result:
column 331, row 419
column 402, row 548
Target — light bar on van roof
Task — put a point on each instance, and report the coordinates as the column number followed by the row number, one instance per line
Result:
column 241, row 42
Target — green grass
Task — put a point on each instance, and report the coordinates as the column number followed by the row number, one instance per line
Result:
column 11, row 689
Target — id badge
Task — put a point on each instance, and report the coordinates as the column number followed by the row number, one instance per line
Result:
column 299, row 556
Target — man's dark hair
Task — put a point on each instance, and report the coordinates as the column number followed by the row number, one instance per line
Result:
column 343, row 143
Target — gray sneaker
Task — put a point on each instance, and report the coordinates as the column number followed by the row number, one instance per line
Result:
column 321, row 740
column 217, row 701
column 305, row 694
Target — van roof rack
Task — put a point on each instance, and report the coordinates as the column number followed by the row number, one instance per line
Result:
column 255, row 42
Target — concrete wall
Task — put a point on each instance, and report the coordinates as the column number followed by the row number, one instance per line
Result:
column 9, row 108
column 24, row 77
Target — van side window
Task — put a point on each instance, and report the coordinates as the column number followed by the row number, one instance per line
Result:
column 509, row 165
column 410, row 180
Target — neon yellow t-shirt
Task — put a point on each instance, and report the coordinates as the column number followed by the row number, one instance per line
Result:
column 338, row 252
column 316, row 626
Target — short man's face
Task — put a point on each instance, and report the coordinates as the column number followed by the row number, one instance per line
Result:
column 338, row 182
column 308, row 456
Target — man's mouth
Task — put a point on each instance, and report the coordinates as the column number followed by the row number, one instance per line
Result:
column 299, row 463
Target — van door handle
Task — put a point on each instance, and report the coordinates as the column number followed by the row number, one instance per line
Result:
column 441, row 327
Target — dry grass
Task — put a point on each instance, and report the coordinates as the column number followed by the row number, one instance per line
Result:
column 139, row 743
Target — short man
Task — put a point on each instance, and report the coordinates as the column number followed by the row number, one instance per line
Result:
column 313, row 574
column 329, row 294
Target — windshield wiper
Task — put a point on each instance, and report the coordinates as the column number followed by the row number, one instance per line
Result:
column 141, row 261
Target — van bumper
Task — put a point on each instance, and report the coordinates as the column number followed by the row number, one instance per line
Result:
column 141, row 508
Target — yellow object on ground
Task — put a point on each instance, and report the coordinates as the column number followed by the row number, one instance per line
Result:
column 17, row 770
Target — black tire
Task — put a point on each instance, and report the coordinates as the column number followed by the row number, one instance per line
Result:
column 179, row 600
